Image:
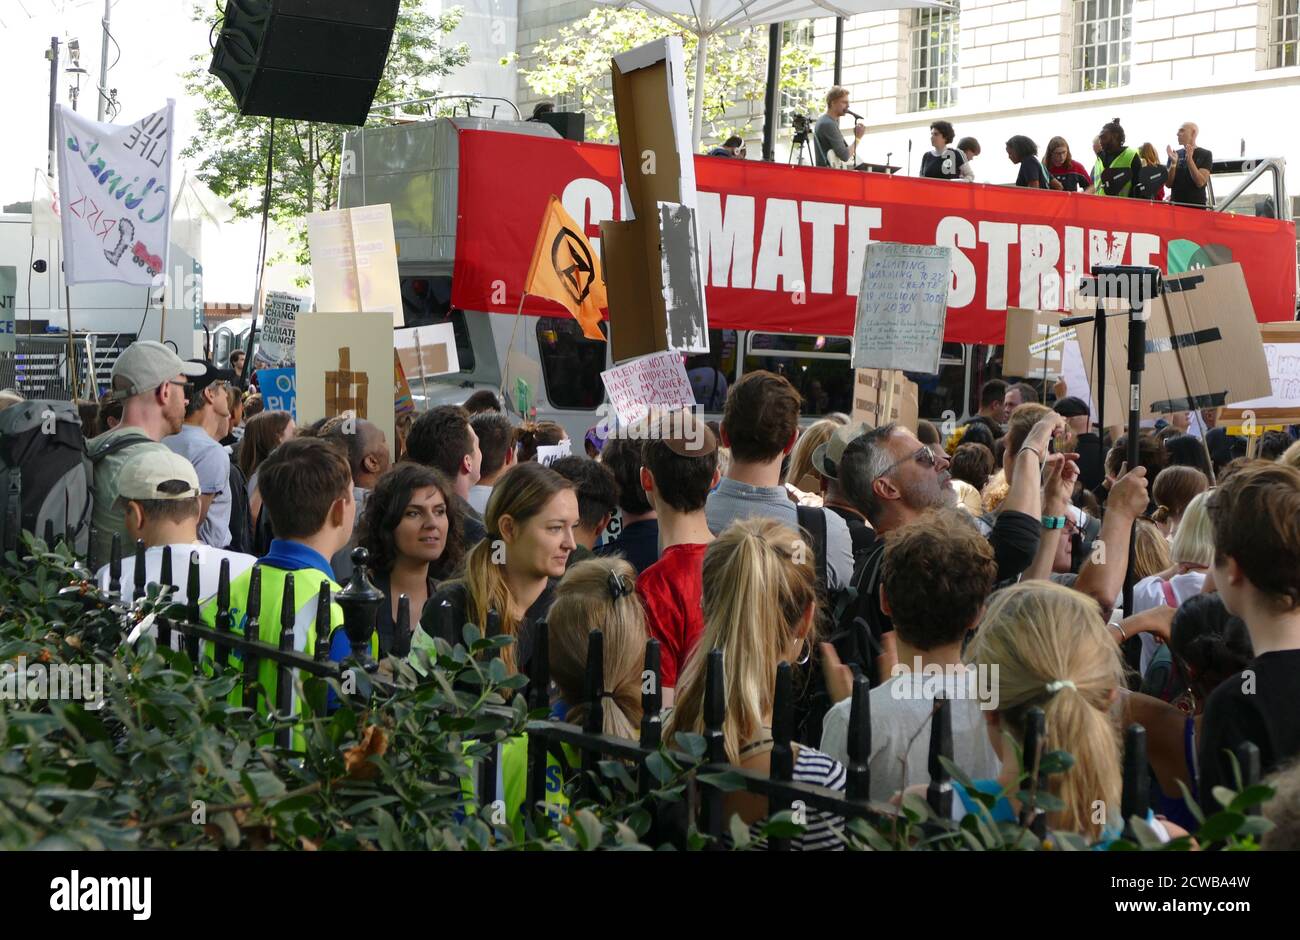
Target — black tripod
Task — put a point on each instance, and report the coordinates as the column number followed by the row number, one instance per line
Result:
column 1135, row 285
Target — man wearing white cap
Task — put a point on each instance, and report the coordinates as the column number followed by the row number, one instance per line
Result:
column 158, row 497
column 150, row 381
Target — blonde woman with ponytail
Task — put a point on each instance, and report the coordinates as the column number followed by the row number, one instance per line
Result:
column 598, row 594
column 760, row 602
column 530, row 523
column 1046, row 646
column 1191, row 555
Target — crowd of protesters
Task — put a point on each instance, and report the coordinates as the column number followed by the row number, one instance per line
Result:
column 1002, row 542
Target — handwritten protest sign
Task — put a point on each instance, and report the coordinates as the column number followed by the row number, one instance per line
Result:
column 1282, row 352
column 656, row 379
column 354, row 261
column 902, row 306
column 279, row 390
column 276, row 339
column 547, row 454
column 115, row 190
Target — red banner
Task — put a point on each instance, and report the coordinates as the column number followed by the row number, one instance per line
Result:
column 782, row 247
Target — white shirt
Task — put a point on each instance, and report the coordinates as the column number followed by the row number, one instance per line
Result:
column 209, row 571
column 1148, row 593
column 478, row 497
column 897, row 715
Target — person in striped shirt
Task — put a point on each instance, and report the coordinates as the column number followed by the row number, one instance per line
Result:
column 760, row 605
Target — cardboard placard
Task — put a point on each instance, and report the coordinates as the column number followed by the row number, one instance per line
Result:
column 1202, row 341
column 649, row 85
column 279, row 390
column 427, row 351
column 344, row 363
column 872, row 394
column 902, row 306
column 1034, row 343
column 683, row 287
column 354, row 261
column 275, row 338
column 657, row 379
column 1282, row 352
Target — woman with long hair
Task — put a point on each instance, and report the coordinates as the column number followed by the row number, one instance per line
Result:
column 413, row 533
column 1046, row 646
column 1149, row 157
column 264, row 432
column 1066, row 173
column 507, row 585
column 597, row 594
column 760, row 607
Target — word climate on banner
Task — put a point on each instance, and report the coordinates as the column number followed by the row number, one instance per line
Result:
column 657, row 379
column 902, row 306
column 115, row 193
column 276, row 338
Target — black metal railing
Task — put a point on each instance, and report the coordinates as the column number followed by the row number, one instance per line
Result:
column 360, row 601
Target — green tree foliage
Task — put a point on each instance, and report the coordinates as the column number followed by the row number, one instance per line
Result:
column 577, row 62
column 231, row 150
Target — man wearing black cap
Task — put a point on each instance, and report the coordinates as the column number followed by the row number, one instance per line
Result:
column 1087, row 443
column 206, row 415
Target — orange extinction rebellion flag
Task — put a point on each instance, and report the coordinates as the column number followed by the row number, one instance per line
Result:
column 565, row 269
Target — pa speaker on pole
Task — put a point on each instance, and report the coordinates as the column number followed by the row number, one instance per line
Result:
column 307, row 60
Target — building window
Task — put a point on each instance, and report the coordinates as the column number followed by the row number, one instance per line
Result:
column 1284, row 34
column 1103, row 43
column 934, row 59
column 797, row 33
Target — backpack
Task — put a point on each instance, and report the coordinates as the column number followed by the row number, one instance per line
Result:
column 840, row 628
column 46, row 477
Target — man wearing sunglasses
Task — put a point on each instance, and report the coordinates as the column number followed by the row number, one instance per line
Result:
column 151, row 382
column 207, row 414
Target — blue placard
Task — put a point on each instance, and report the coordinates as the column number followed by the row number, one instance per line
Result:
column 279, row 390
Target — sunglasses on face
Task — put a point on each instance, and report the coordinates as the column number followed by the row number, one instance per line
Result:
column 925, row 457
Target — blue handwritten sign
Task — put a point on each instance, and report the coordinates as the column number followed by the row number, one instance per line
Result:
column 279, row 390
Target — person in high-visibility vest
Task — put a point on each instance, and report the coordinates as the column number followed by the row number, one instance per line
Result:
column 306, row 486
column 596, row 594
column 1116, row 169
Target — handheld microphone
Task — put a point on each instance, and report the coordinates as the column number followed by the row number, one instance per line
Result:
column 856, row 117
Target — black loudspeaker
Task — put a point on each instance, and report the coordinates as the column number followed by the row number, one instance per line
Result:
column 307, row 60
column 571, row 125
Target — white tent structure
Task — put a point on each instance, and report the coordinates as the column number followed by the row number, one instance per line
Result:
column 706, row 18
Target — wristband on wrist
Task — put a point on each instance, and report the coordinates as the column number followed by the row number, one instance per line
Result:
column 1053, row 522
column 1122, row 634
column 1033, row 450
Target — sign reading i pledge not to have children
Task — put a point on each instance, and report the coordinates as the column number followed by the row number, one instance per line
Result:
column 656, row 379
column 902, row 306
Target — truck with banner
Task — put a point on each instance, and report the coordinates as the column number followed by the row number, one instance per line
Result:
column 781, row 252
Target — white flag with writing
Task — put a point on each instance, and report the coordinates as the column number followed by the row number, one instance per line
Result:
column 115, row 197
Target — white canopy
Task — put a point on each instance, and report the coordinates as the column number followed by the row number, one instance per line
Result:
column 705, row 18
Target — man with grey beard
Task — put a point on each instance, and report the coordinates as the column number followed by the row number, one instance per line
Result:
column 892, row 478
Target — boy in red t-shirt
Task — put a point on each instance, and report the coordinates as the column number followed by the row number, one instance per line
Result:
column 679, row 469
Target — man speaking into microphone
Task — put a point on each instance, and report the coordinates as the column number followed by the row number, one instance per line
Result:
column 827, row 131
